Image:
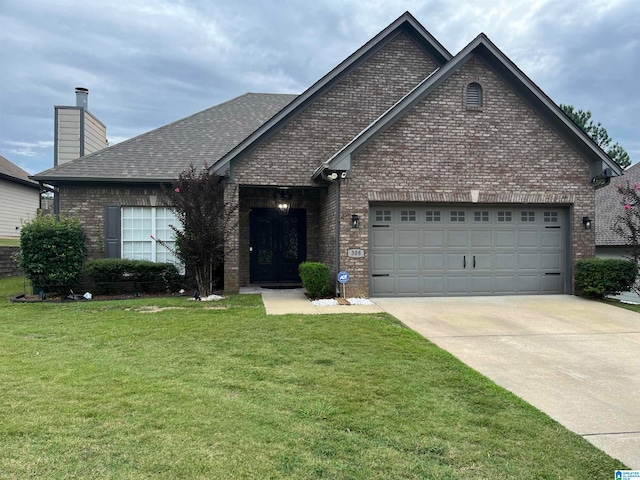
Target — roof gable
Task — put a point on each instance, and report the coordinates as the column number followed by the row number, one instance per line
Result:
column 498, row 62
column 13, row 173
column 406, row 24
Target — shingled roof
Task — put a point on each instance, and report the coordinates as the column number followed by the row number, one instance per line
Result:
column 609, row 206
column 14, row 173
column 162, row 154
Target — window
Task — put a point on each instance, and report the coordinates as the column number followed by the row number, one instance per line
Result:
column 432, row 216
column 528, row 216
column 457, row 216
column 504, row 216
column 383, row 215
column 139, row 224
column 407, row 215
column 480, row 216
column 473, row 96
column 550, row 217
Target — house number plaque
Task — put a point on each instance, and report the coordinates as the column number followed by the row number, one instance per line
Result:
column 355, row 253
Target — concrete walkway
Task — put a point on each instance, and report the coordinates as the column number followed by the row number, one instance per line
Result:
column 285, row 301
column 576, row 360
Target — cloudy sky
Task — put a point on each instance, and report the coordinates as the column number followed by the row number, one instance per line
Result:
column 150, row 62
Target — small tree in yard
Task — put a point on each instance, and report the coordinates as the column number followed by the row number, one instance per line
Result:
column 627, row 223
column 206, row 222
column 52, row 252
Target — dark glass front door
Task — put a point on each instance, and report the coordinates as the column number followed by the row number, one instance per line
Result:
column 278, row 245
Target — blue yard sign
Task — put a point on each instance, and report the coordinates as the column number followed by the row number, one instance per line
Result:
column 343, row 277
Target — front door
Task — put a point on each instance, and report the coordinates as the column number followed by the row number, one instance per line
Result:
column 278, row 245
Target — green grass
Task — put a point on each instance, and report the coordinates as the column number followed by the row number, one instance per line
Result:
column 9, row 242
column 627, row 306
column 105, row 390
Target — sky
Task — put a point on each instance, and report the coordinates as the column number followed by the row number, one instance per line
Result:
column 147, row 63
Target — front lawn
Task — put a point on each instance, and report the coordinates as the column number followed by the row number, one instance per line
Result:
column 168, row 388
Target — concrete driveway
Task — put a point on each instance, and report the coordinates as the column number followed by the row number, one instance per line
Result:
column 576, row 360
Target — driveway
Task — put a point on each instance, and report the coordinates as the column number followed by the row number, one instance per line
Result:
column 576, row 360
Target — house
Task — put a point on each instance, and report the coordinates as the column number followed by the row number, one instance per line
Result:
column 609, row 207
column 416, row 171
column 19, row 198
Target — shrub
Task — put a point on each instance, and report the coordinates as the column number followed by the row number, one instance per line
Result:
column 599, row 277
column 52, row 252
column 315, row 278
column 116, row 275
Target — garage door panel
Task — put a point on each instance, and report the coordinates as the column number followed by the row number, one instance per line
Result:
column 433, row 238
column 408, row 238
column 383, row 262
column 481, row 238
column 433, row 261
column 457, row 283
column 457, row 238
column 551, row 283
column 409, row 285
column 382, row 238
column 408, row 262
column 482, row 284
column 550, row 238
column 528, row 261
column 505, row 284
column 382, row 286
column 433, row 285
column 461, row 250
column 505, row 238
column 550, row 261
column 528, row 283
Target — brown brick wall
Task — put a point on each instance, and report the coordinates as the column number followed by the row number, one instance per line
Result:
column 439, row 152
column 87, row 204
column 291, row 155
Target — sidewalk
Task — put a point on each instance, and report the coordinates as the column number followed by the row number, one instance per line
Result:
column 286, row 301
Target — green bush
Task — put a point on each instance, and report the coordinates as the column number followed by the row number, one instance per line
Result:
column 52, row 252
column 599, row 277
column 315, row 278
column 118, row 275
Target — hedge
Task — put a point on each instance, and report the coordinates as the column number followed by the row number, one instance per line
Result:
column 600, row 277
column 315, row 278
column 115, row 276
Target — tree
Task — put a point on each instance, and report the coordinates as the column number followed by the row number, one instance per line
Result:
column 627, row 223
column 52, row 252
column 598, row 134
column 206, row 222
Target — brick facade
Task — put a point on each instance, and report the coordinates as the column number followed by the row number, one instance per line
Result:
column 88, row 204
column 440, row 151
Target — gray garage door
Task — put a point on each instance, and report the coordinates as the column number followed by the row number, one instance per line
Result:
column 478, row 250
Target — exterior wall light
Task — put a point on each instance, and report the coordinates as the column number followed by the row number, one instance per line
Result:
column 355, row 221
column 586, row 221
column 282, row 199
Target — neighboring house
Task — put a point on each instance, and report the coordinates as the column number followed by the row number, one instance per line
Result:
column 609, row 207
column 416, row 171
column 19, row 198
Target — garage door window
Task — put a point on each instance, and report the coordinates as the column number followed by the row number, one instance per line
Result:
column 504, row 216
column 383, row 215
column 550, row 217
column 457, row 216
column 432, row 216
column 407, row 215
column 528, row 217
column 480, row 216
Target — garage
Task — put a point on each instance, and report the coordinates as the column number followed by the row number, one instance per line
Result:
column 432, row 250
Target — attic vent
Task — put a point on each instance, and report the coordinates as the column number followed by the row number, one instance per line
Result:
column 473, row 98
